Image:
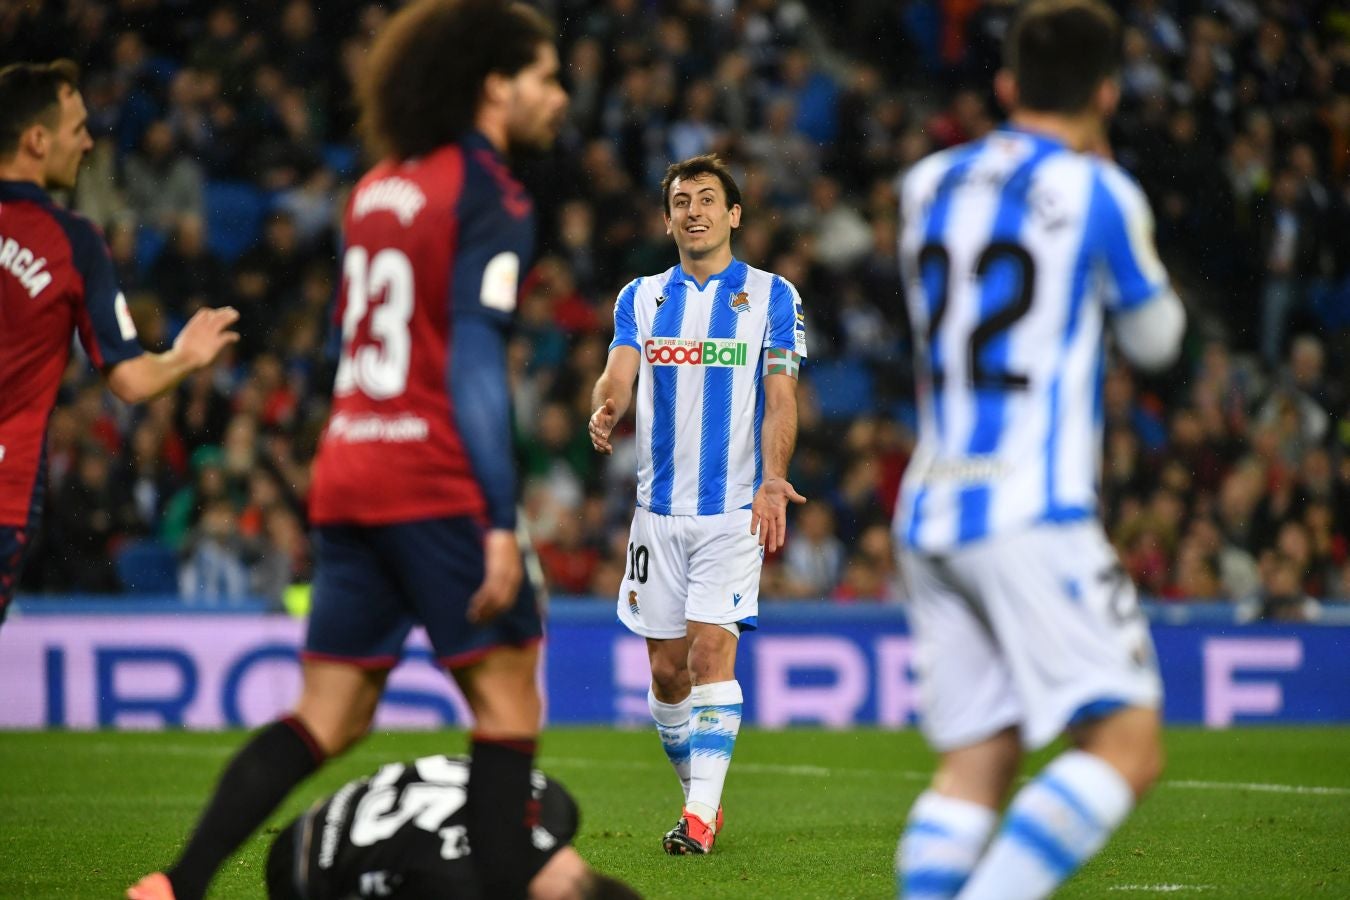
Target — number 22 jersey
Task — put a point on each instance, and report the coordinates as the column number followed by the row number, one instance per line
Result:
column 434, row 247
column 1015, row 251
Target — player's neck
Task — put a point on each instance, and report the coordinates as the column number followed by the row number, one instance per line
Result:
column 1081, row 132
column 17, row 168
column 703, row 267
column 492, row 127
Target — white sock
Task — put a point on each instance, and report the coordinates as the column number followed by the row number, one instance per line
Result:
column 1055, row 824
column 716, row 720
column 941, row 844
column 672, row 724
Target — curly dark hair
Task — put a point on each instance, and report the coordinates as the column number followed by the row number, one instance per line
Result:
column 31, row 93
column 424, row 78
column 707, row 164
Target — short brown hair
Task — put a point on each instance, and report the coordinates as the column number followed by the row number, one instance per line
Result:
column 1060, row 51
column 708, row 164
column 424, row 78
column 31, row 93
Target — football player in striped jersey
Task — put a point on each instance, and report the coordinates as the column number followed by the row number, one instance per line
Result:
column 715, row 346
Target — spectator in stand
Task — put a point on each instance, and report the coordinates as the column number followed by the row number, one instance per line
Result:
column 813, row 560
column 215, row 569
column 84, row 526
column 163, row 185
column 187, row 274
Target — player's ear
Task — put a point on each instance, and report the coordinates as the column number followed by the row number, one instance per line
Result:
column 1005, row 88
column 36, row 140
column 1107, row 97
column 667, row 218
column 496, row 88
column 735, row 215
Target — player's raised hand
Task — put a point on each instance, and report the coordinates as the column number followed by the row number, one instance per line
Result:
column 601, row 424
column 205, row 335
column 768, row 512
column 501, row 580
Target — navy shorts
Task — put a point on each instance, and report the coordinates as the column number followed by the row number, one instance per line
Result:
column 373, row 583
column 13, row 545
column 14, row 540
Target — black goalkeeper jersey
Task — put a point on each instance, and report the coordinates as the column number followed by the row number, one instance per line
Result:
column 403, row 832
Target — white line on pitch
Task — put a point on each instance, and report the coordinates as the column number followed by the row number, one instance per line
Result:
column 1161, row 888
column 168, row 748
column 1258, row 786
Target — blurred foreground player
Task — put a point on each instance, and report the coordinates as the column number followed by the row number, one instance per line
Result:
column 1018, row 250
column 414, row 490
column 402, row 833
column 56, row 278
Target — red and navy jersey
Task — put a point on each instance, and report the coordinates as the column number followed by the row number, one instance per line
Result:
column 56, row 278
column 420, row 425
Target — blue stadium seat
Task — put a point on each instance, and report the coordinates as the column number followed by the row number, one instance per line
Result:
column 234, row 216
column 147, row 567
column 341, row 158
column 150, row 244
column 843, row 387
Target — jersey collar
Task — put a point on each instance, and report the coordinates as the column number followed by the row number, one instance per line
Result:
column 1040, row 137
column 682, row 275
column 22, row 190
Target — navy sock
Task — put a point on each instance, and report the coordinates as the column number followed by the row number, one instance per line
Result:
column 257, row 779
column 501, row 814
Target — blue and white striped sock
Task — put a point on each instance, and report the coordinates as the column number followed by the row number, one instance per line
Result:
column 1055, row 824
column 715, row 722
column 941, row 844
column 672, row 724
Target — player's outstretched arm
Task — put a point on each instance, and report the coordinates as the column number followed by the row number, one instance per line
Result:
column 768, row 512
column 197, row 346
column 612, row 395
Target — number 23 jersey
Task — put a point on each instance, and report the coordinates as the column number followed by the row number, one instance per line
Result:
column 433, row 251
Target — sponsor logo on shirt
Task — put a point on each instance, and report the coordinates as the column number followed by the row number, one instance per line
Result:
column 967, row 469
column 373, row 428
column 686, row 352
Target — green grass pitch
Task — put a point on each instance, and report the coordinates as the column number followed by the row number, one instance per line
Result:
column 1243, row 813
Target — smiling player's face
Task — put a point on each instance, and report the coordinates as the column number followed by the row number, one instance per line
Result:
column 538, row 102
column 699, row 219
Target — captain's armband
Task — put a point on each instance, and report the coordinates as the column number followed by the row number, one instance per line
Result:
column 779, row 361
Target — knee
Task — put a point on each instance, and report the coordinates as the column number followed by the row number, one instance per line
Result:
column 670, row 679
column 336, row 736
column 1131, row 742
column 712, row 658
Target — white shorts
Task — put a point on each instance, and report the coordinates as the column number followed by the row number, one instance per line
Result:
column 1035, row 629
column 683, row 568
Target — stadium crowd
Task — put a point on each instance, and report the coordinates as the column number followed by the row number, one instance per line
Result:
column 225, row 148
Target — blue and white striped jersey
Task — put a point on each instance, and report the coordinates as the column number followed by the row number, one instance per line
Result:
column 1014, row 250
column 700, row 393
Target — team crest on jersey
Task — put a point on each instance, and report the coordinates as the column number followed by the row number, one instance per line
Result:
column 740, row 302
column 632, row 602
